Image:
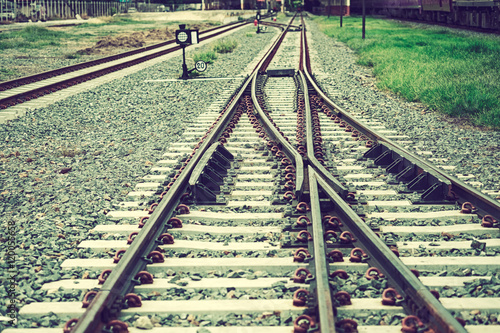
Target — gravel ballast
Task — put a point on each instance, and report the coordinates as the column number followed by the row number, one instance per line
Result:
column 66, row 165
column 471, row 150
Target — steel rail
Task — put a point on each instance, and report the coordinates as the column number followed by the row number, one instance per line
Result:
column 49, row 88
column 305, row 63
column 270, row 128
column 418, row 298
column 321, row 267
column 59, row 71
column 334, row 182
column 108, row 302
column 464, row 192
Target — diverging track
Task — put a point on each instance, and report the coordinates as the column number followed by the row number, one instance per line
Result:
column 286, row 214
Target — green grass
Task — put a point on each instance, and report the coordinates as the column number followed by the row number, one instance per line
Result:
column 207, row 56
column 449, row 71
column 31, row 38
column 225, row 46
column 6, row 74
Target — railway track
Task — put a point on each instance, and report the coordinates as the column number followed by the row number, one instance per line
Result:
column 24, row 89
column 283, row 213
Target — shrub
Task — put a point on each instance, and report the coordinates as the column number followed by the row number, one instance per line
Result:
column 208, row 56
column 225, row 46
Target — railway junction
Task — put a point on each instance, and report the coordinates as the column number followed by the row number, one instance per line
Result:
column 276, row 191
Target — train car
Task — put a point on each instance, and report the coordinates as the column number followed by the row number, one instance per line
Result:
column 328, row 7
column 472, row 13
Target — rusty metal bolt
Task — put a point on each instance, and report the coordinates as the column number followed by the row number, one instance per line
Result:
column 289, row 196
column 435, row 293
column 300, row 297
column 301, row 274
column 303, row 221
column 461, row 321
column 340, row 273
column 333, row 222
column 347, row 237
column 347, row 326
column 301, row 254
column 302, row 324
column 343, row 297
column 411, row 324
column 182, row 209
column 467, row 208
column 357, row 255
column 166, row 238
column 152, row 208
column 304, row 236
column 117, row 326
column 142, row 221
column 131, row 237
column 303, row 207
column 395, row 250
column 175, row 222
column 373, row 273
column 336, row 255
column 331, row 235
column 118, row 255
column 70, row 324
column 389, row 296
column 104, row 275
column 289, row 185
column 488, row 221
column 144, row 277
column 350, row 196
column 88, row 298
column 156, row 257
column 133, row 300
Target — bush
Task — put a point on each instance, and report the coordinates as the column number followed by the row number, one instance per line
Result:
column 208, row 56
column 225, row 46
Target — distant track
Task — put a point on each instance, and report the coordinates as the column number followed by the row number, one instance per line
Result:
column 31, row 87
column 335, row 203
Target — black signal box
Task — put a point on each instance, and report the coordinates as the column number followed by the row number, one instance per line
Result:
column 186, row 36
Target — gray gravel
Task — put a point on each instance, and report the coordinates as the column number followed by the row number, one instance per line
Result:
column 66, row 165
column 472, row 150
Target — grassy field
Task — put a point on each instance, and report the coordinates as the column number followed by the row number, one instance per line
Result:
column 36, row 49
column 31, row 37
column 456, row 73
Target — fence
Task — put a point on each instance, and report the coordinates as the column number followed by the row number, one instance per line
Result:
column 24, row 10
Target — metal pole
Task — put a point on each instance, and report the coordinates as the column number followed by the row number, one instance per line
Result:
column 185, row 74
column 364, row 20
column 342, row 11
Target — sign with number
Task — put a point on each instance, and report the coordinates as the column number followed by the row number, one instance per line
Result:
column 200, row 66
